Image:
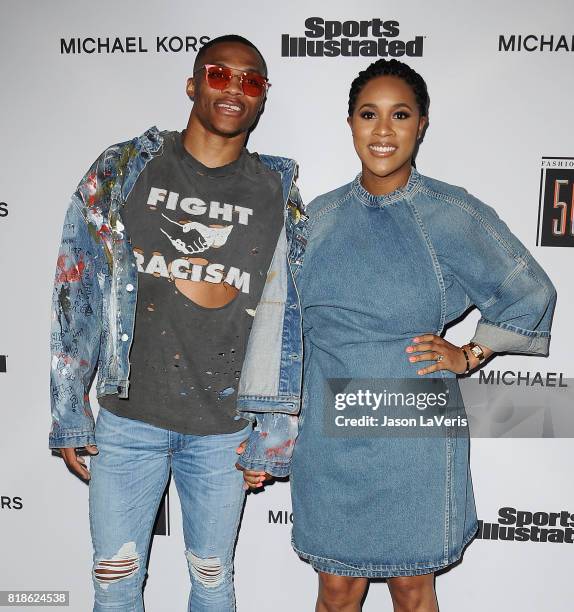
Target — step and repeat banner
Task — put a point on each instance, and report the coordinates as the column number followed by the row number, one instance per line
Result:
column 78, row 76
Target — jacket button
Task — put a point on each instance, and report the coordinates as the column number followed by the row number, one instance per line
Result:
column 129, row 287
column 125, row 337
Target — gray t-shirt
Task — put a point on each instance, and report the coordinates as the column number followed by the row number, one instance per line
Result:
column 203, row 239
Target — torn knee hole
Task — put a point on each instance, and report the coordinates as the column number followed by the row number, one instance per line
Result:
column 123, row 564
column 113, row 570
column 208, row 571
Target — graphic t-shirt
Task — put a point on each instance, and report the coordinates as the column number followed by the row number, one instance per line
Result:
column 203, row 239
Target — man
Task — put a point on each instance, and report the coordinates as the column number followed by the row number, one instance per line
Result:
column 165, row 251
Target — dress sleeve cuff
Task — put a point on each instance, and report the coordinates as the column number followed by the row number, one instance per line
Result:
column 502, row 340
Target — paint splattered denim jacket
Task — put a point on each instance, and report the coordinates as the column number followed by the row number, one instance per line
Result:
column 95, row 289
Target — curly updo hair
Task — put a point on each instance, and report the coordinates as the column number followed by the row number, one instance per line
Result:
column 395, row 68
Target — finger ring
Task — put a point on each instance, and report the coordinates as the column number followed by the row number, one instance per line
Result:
column 439, row 357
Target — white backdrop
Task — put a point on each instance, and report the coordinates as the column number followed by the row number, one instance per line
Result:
column 494, row 116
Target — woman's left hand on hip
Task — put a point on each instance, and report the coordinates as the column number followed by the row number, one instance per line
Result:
column 443, row 354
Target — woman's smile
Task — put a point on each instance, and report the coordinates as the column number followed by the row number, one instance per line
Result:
column 382, row 149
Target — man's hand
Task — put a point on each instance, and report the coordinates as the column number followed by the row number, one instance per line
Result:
column 252, row 479
column 76, row 463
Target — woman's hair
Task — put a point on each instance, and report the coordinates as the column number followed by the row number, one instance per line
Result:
column 395, row 68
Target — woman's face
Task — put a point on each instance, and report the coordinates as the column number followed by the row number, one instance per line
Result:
column 386, row 124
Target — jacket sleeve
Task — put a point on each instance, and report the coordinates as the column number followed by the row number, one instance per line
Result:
column 515, row 297
column 76, row 326
column 270, row 444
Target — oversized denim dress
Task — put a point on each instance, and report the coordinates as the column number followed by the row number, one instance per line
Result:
column 378, row 271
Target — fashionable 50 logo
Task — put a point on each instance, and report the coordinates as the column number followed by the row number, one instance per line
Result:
column 556, row 202
column 367, row 38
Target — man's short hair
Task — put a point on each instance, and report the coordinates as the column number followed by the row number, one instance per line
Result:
column 228, row 38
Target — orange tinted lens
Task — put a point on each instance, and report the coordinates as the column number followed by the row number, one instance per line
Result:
column 253, row 84
column 218, row 77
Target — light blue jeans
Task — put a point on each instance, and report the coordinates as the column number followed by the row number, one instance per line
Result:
column 129, row 476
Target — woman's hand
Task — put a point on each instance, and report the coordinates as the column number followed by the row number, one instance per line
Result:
column 251, row 478
column 443, row 354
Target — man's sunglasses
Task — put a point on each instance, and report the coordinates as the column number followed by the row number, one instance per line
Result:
column 218, row 77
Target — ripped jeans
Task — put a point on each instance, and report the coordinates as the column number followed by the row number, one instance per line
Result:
column 129, row 476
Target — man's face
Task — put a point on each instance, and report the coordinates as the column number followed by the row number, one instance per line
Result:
column 227, row 112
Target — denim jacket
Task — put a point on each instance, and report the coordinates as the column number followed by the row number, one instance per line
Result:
column 95, row 288
column 476, row 261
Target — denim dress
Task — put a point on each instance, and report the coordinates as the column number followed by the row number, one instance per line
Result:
column 378, row 271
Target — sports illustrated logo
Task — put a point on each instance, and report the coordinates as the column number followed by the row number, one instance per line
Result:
column 162, row 523
column 281, row 517
column 525, row 379
column 10, row 503
column 131, row 44
column 535, row 42
column 3, row 209
column 525, row 526
column 373, row 38
column 3, row 363
column 556, row 202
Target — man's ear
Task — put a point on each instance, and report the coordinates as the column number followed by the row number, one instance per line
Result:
column 190, row 88
column 350, row 123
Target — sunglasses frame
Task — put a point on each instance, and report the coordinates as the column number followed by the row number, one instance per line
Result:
column 242, row 74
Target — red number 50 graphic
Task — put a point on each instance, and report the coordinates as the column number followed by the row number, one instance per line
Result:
column 559, row 225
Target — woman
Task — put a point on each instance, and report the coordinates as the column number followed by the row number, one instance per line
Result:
column 390, row 260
